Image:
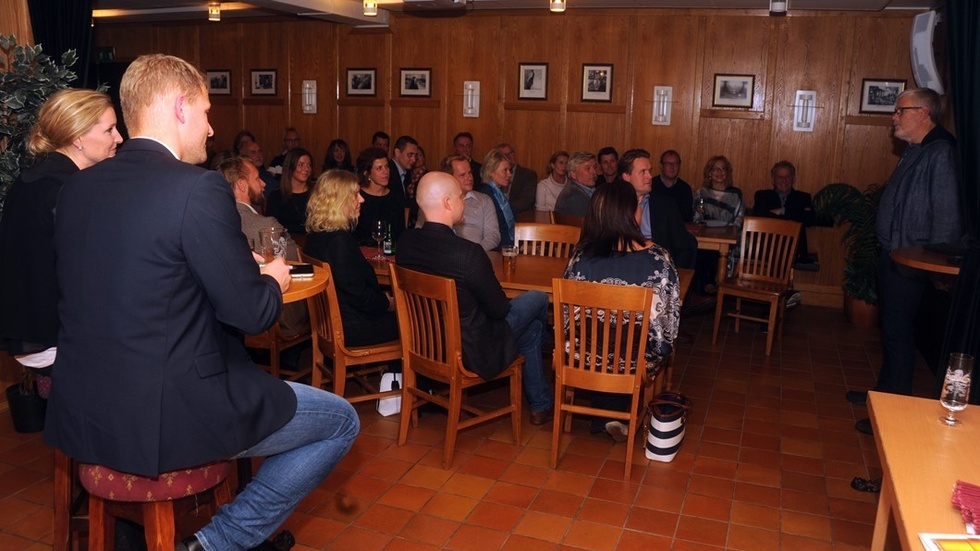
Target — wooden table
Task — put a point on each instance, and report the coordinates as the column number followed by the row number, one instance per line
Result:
column 305, row 287
column 917, row 257
column 720, row 239
column 922, row 459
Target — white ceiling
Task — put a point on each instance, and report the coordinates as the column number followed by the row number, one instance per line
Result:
column 350, row 11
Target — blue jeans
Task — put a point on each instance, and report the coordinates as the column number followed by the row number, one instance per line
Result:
column 298, row 457
column 528, row 319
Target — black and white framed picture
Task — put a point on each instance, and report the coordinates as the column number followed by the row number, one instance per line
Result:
column 362, row 82
column 263, row 82
column 880, row 95
column 533, row 79
column 733, row 90
column 597, row 82
column 219, row 82
column 415, row 82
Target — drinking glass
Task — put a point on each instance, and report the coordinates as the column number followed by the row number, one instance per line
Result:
column 510, row 258
column 956, row 386
column 699, row 207
column 378, row 234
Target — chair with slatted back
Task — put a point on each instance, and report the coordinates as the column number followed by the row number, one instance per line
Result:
column 764, row 273
column 428, row 320
column 546, row 239
column 329, row 344
column 608, row 356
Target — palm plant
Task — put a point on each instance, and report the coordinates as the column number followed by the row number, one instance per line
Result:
column 843, row 203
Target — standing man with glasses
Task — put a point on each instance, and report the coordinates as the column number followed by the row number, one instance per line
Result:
column 919, row 206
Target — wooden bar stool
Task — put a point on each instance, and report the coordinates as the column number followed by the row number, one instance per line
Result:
column 153, row 502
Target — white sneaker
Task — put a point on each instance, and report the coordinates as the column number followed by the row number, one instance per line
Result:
column 794, row 299
column 617, row 430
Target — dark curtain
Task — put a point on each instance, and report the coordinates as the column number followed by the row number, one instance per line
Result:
column 62, row 25
column 963, row 45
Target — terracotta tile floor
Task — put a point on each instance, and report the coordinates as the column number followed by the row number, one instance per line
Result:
column 766, row 464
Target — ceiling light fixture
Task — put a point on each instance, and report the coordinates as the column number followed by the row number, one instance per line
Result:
column 557, row 6
column 370, row 8
column 214, row 11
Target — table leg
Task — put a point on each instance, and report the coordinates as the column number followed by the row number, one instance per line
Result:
column 883, row 516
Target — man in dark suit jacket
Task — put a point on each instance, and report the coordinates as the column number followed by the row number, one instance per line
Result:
column 463, row 145
column 523, row 183
column 488, row 321
column 782, row 201
column 669, row 183
column 157, row 284
column 400, row 168
column 660, row 220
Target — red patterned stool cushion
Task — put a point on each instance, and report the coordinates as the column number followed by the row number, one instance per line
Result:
column 115, row 485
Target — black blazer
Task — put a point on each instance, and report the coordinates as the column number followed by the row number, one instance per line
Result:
column 396, row 185
column 667, row 230
column 157, row 282
column 488, row 342
column 799, row 207
column 29, row 293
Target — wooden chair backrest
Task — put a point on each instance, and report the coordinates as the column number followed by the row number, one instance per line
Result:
column 428, row 320
column 555, row 240
column 768, row 249
column 604, row 328
column 325, row 312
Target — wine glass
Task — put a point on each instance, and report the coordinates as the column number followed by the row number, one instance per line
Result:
column 378, row 234
column 699, row 206
column 956, row 386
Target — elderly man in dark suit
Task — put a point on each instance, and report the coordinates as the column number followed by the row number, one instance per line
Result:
column 782, row 201
column 523, row 183
column 489, row 322
column 157, row 284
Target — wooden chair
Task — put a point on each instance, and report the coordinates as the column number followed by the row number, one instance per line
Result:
column 273, row 340
column 546, row 239
column 154, row 502
column 428, row 320
column 604, row 357
column 567, row 219
column 329, row 343
column 764, row 273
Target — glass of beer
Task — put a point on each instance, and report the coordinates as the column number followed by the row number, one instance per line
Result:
column 510, row 258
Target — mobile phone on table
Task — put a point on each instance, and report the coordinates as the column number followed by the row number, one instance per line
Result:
column 301, row 271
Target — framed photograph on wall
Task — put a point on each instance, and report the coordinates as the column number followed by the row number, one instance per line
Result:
column 533, row 78
column 362, row 82
column 219, row 82
column 880, row 95
column 263, row 82
column 415, row 82
column 597, row 82
column 733, row 90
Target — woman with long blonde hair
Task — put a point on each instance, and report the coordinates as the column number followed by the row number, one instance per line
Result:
column 333, row 210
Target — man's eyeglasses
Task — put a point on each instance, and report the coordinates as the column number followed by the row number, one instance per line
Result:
column 900, row 110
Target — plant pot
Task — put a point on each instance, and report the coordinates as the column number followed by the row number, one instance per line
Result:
column 859, row 313
column 26, row 410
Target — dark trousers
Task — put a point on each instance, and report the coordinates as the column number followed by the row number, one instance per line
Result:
column 900, row 291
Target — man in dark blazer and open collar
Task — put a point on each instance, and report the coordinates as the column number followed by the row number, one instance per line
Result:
column 157, row 284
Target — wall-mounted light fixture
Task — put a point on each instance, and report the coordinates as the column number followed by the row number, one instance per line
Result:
column 663, row 99
column 777, row 7
column 557, row 6
column 471, row 99
column 309, row 97
column 370, row 8
column 804, row 111
column 214, row 11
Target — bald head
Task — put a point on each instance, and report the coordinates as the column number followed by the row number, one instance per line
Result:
column 441, row 198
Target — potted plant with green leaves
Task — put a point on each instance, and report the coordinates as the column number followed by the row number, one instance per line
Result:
column 844, row 204
column 27, row 78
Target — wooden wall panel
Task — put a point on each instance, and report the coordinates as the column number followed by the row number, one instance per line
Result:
column 539, row 128
column 313, row 56
column 590, row 131
column 357, row 123
column 16, row 20
column 664, row 57
column 598, row 41
column 870, row 154
column 881, row 51
column 736, row 45
column 181, row 41
column 736, row 139
column 420, row 43
column 473, row 54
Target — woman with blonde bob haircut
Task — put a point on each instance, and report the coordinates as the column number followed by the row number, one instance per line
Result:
column 332, row 212
column 75, row 129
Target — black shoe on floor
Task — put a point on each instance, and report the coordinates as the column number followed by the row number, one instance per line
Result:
column 864, row 425
column 857, row 397
column 866, row 484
